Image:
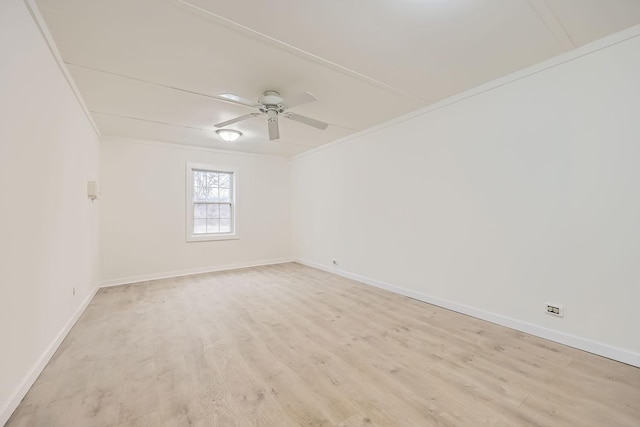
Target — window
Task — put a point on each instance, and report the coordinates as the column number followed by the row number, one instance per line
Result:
column 212, row 208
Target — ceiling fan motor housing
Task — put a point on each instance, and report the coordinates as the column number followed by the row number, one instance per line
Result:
column 271, row 104
column 272, row 114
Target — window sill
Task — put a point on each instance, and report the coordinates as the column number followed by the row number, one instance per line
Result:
column 212, row 237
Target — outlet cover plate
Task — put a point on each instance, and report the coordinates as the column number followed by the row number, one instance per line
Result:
column 554, row 309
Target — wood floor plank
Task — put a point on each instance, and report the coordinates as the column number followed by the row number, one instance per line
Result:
column 288, row 345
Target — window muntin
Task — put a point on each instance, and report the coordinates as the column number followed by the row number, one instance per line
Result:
column 212, row 206
column 211, row 202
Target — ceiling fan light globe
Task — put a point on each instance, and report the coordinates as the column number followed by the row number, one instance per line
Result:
column 271, row 97
column 229, row 135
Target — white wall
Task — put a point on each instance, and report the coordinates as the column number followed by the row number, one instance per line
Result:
column 143, row 212
column 48, row 227
column 498, row 201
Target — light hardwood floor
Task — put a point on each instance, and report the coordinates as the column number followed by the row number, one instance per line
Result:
column 289, row 345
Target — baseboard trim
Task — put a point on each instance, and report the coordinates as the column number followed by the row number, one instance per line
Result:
column 31, row 377
column 600, row 349
column 191, row 271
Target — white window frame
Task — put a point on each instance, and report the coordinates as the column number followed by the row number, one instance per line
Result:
column 235, row 232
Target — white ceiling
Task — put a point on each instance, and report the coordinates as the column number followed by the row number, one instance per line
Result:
column 151, row 69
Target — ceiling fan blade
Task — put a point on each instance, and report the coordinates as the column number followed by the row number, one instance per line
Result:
column 274, row 131
column 303, row 98
column 237, row 119
column 238, row 100
column 307, row 120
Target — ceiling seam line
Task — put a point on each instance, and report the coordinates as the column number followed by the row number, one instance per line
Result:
column 150, row 82
column 182, row 126
column 447, row 102
column 560, row 23
column 149, row 120
column 38, row 20
column 213, row 97
column 181, row 146
column 550, row 26
column 302, row 52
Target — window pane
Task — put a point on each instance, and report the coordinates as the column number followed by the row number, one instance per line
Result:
column 213, row 210
column 212, row 179
column 199, row 226
column 199, row 179
column 212, row 206
column 199, row 210
column 200, row 194
column 213, row 226
column 212, row 194
column 225, row 180
column 225, row 211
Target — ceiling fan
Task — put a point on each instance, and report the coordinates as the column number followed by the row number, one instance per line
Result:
column 273, row 105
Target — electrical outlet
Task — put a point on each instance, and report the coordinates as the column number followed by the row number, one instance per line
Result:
column 334, row 262
column 554, row 309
